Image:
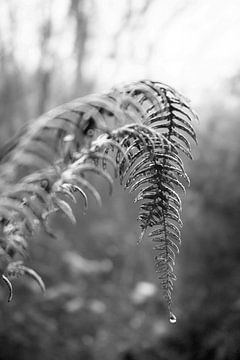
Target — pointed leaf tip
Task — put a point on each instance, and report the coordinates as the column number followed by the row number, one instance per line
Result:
column 34, row 275
column 66, row 209
column 10, row 288
column 140, row 239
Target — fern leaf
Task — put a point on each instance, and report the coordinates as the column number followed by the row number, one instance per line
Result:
column 80, row 181
column 10, row 287
column 17, row 269
column 77, row 188
column 65, row 208
column 92, row 168
column 67, row 190
column 141, row 130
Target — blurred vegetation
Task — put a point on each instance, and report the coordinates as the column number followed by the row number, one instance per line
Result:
column 102, row 298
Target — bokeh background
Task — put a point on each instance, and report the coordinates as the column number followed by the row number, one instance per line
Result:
column 103, row 300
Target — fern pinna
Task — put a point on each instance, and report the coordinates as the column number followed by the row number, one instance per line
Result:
column 139, row 130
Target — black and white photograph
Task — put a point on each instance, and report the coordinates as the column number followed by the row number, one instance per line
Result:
column 119, row 180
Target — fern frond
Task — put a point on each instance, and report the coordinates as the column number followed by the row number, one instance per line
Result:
column 138, row 132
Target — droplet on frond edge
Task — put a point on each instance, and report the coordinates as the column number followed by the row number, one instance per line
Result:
column 172, row 318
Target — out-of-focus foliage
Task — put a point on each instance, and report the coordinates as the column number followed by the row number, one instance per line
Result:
column 29, row 88
column 212, row 251
column 93, row 306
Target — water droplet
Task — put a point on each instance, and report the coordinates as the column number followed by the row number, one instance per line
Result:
column 172, row 318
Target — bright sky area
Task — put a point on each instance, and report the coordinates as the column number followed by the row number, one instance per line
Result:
column 192, row 45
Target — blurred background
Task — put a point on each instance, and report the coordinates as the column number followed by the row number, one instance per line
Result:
column 103, row 300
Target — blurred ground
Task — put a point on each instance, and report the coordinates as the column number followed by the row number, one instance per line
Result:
column 103, row 299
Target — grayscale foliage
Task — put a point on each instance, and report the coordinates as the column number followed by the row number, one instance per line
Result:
column 137, row 133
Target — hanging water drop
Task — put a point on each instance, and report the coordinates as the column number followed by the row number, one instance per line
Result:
column 172, row 318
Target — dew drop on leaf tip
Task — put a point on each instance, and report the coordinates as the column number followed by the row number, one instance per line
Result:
column 172, row 318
